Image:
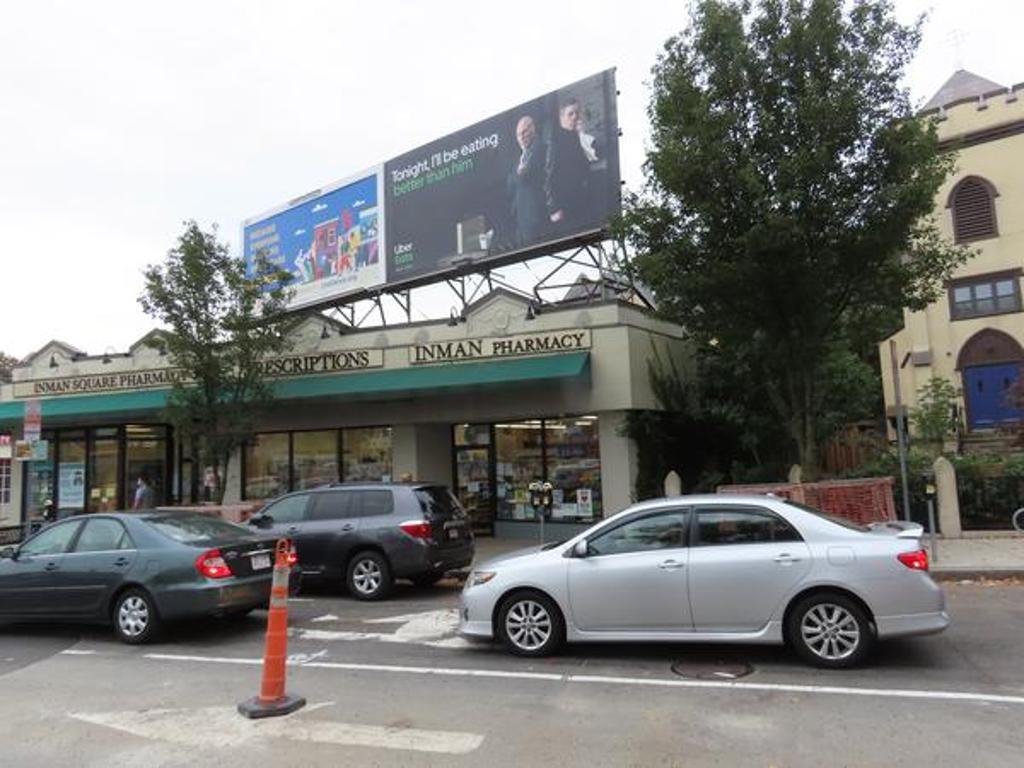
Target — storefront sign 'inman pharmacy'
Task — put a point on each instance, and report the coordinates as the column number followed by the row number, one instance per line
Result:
column 341, row 361
column 502, row 346
column 162, row 378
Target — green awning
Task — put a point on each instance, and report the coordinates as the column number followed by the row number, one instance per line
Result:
column 413, row 379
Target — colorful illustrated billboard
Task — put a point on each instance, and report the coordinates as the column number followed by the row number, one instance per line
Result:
column 543, row 173
column 533, row 179
column 330, row 242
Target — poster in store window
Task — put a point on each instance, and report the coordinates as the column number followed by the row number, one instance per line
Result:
column 71, row 485
column 585, row 502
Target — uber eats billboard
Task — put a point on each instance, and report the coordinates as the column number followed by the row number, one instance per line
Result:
column 535, row 177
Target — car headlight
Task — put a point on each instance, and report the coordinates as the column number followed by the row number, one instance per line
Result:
column 476, row 578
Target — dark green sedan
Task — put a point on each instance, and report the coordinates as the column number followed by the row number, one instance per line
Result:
column 136, row 571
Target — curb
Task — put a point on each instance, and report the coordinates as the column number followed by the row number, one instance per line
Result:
column 976, row 574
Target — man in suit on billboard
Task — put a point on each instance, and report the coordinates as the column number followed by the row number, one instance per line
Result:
column 526, row 185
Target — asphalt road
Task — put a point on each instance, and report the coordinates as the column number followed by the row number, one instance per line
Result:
column 389, row 684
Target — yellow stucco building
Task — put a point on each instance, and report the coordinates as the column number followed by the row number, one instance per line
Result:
column 973, row 335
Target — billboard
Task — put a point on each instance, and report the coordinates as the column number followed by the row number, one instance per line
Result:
column 330, row 242
column 533, row 178
column 541, row 173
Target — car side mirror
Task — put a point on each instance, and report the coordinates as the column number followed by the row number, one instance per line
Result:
column 581, row 548
column 262, row 520
column 9, row 553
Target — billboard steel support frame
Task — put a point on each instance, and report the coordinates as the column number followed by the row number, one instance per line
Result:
column 608, row 258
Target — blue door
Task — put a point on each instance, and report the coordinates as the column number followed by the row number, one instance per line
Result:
column 989, row 393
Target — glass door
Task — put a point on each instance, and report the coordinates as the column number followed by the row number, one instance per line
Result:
column 473, row 487
column 146, row 458
column 474, row 475
column 103, row 459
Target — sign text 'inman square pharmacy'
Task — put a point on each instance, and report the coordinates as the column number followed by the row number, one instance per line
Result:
column 322, row 362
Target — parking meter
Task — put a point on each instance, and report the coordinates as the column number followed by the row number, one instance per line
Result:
column 542, row 500
column 929, row 492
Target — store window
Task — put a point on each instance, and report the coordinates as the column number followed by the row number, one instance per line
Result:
column 564, row 452
column 267, row 470
column 574, row 468
column 315, row 458
column 71, row 473
column 146, row 456
column 279, row 462
column 367, row 454
column 519, row 460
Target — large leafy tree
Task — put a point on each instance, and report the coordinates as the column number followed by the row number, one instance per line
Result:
column 789, row 191
column 220, row 326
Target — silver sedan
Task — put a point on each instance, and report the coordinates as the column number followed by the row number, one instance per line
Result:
column 739, row 569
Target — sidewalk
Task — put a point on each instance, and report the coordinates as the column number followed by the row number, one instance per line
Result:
column 995, row 558
column 1000, row 557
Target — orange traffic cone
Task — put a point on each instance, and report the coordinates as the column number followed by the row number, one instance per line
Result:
column 273, row 700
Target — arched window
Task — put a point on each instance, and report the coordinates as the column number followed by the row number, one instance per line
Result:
column 972, row 202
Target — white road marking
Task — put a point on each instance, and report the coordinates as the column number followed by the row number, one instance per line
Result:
column 76, row 652
column 224, row 727
column 326, row 617
column 432, row 628
column 839, row 690
column 319, row 705
column 300, row 659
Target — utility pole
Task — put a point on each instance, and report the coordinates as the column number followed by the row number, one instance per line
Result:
column 900, row 436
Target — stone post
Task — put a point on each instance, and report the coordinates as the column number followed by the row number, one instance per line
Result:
column 796, row 474
column 947, row 499
column 673, row 484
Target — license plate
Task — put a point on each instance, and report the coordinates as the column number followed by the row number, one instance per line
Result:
column 260, row 562
column 453, row 533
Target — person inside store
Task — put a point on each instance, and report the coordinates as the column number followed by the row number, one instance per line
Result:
column 144, row 496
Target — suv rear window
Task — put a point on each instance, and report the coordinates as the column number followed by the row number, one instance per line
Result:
column 438, row 503
column 196, row 529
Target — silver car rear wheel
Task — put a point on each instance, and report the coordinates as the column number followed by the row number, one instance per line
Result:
column 830, row 629
column 530, row 624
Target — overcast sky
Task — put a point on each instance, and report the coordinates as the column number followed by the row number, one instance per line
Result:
column 118, row 120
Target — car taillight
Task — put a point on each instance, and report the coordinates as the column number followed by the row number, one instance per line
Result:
column 293, row 557
column 211, row 565
column 418, row 529
column 915, row 561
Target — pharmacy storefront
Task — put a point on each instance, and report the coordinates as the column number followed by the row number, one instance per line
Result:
column 485, row 405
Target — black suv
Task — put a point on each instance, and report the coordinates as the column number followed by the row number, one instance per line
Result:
column 370, row 534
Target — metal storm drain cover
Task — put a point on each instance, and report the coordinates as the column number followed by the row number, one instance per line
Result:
column 712, row 668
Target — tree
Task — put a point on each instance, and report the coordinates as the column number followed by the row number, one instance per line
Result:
column 789, row 190
column 932, row 417
column 221, row 325
column 7, row 364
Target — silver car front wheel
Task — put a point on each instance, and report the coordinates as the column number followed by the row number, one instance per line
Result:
column 530, row 624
